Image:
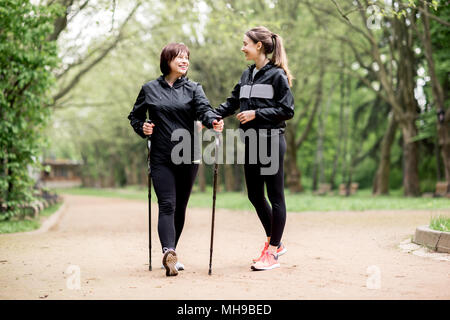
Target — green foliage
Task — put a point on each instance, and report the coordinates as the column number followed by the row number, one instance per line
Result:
column 91, row 125
column 22, row 225
column 26, row 59
column 12, row 226
column 426, row 125
column 440, row 39
column 440, row 223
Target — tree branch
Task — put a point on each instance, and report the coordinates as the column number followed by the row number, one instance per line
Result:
column 81, row 8
column 343, row 15
column 61, row 22
column 84, row 70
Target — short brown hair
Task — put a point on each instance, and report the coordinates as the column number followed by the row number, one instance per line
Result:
column 170, row 52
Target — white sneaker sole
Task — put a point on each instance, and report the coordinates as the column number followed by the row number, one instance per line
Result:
column 169, row 262
column 277, row 265
column 179, row 266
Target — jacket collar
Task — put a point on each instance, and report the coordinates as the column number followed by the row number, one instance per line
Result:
column 178, row 83
column 268, row 66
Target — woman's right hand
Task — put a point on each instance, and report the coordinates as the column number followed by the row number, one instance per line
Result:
column 148, row 128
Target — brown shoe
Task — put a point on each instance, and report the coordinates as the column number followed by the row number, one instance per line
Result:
column 169, row 262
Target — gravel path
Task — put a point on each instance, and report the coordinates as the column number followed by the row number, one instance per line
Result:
column 331, row 255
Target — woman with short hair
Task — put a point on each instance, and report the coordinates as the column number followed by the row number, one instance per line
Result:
column 172, row 102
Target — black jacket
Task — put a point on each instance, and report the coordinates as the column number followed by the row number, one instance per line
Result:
column 170, row 108
column 268, row 94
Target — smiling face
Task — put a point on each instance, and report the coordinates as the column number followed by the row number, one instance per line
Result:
column 180, row 64
column 251, row 49
column 174, row 59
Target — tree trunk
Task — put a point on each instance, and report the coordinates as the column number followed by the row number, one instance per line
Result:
column 444, row 143
column 443, row 120
column 341, row 124
column 229, row 177
column 238, row 174
column 293, row 144
column 317, row 166
column 60, row 22
column 201, row 177
column 317, row 158
column 406, row 100
column 323, row 115
column 143, row 175
column 4, row 173
column 345, row 124
column 437, row 155
column 410, row 162
column 131, row 172
column 293, row 174
column 381, row 181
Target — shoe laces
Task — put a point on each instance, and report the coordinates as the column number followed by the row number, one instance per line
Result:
column 268, row 254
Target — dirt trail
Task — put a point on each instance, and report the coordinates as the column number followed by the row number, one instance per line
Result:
column 328, row 256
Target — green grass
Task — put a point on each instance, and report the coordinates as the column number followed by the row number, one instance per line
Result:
column 27, row 224
column 13, row 226
column 440, row 223
column 306, row 201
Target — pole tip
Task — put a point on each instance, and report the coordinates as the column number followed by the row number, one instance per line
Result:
column 209, row 272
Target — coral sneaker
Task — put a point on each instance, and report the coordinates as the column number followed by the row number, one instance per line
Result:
column 266, row 246
column 267, row 262
column 281, row 249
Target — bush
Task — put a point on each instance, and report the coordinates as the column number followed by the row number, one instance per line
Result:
column 26, row 62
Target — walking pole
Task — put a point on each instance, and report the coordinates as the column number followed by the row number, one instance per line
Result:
column 149, row 145
column 216, row 169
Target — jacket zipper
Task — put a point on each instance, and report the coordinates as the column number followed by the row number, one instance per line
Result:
column 250, row 94
column 252, row 81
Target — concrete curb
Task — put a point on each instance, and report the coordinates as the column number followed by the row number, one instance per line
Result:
column 436, row 240
column 50, row 222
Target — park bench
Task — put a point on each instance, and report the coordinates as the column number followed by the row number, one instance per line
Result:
column 442, row 189
column 343, row 188
column 324, row 188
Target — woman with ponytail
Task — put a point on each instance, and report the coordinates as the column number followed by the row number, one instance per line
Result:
column 265, row 101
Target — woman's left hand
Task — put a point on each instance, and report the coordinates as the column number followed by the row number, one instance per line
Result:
column 246, row 116
column 218, row 125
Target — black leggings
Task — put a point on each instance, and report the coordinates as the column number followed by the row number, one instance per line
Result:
column 272, row 218
column 173, row 186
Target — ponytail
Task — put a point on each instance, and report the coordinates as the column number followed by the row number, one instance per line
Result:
column 279, row 57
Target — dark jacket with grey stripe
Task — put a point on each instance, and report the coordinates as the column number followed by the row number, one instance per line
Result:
column 268, row 94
